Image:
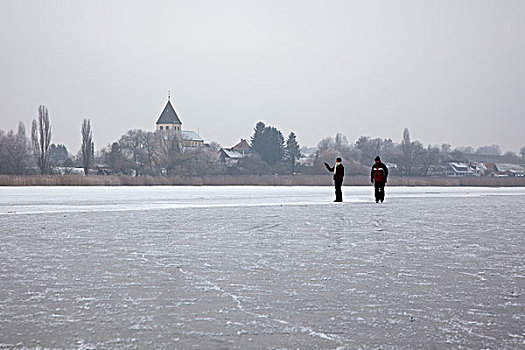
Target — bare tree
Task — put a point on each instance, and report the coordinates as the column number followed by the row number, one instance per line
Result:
column 199, row 162
column 325, row 144
column 21, row 150
column 14, row 152
column 150, row 155
column 142, row 151
column 369, row 148
column 215, row 146
column 408, row 154
column 489, row 150
column 341, row 143
column 41, row 139
column 131, row 147
column 87, row 145
column 171, row 156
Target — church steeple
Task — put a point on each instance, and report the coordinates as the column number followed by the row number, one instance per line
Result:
column 169, row 121
column 170, row 127
column 168, row 115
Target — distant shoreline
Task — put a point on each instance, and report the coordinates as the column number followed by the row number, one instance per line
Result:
column 250, row 180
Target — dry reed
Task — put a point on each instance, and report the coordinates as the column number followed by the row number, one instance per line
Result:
column 249, row 180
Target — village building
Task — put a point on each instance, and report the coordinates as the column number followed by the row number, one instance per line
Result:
column 460, row 169
column 505, row 169
column 229, row 156
column 170, row 125
column 242, row 147
column 232, row 155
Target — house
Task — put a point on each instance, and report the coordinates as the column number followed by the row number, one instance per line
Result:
column 231, row 156
column 502, row 169
column 463, row 169
column 242, row 147
column 63, row 170
column 170, row 126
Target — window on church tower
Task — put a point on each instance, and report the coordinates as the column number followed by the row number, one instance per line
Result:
column 167, row 127
column 161, row 127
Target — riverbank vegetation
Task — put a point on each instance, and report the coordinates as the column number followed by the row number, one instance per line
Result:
column 266, row 158
column 249, row 180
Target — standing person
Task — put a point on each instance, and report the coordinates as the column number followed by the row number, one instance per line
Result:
column 339, row 172
column 378, row 177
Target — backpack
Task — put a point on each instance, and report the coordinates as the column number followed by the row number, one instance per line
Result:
column 379, row 174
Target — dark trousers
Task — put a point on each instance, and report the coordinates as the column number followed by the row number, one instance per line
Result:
column 338, row 192
column 379, row 191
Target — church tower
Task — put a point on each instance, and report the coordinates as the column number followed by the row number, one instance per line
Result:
column 170, row 126
column 169, row 122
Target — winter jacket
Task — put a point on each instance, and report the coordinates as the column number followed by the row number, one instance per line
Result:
column 338, row 170
column 379, row 173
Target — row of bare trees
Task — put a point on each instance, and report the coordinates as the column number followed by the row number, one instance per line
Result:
column 140, row 152
column 20, row 155
column 15, row 152
column 409, row 158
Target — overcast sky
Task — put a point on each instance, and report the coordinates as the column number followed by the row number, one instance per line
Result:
column 449, row 71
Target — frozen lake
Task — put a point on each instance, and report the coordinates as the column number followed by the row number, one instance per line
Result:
column 261, row 267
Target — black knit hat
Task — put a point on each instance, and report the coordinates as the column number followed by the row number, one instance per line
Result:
column 378, row 159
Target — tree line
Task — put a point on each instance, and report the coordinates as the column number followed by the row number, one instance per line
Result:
column 408, row 158
column 20, row 155
column 140, row 152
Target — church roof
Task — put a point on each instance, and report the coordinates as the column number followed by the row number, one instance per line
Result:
column 188, row 135
column 168, row 115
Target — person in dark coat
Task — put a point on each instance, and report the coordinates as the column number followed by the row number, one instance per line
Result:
column 378, row 177
column 339, row 172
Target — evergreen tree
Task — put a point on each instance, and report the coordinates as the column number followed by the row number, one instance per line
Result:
column 115, row 159
column 273, row 145
column 58, row 154
column 256, row 141
column 268, row 143
column 292, row 152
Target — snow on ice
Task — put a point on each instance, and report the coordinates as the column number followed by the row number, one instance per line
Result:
column 261, row 267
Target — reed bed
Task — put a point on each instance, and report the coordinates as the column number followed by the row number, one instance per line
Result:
column 249, row 180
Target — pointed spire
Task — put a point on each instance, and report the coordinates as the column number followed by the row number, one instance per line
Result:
column 169, row 95
column 168, row 115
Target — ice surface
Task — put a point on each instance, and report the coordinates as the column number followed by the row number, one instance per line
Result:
column 261, row 267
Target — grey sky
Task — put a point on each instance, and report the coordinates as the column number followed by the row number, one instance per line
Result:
column 450, row 71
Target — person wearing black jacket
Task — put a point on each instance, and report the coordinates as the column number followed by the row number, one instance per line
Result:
column 339, row 172
column 378, row 177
